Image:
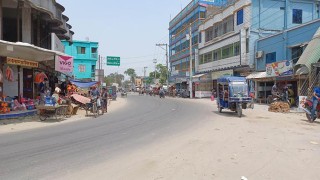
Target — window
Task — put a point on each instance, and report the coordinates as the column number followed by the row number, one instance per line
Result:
column 202, row 14
column 240, row 17
column 296, row 52
column 93, row 70
column 227, row 51
column 247, row 45
column 209, row 34
column 271, row 58
column 82, row 68
column 237, row 48
column 81, row 50
column 200, row 37
column 94, row 50
column 297, row 16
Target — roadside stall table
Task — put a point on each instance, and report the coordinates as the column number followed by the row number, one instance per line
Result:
column 46, row 112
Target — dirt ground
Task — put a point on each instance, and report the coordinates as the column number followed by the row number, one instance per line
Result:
column 27, row 123
column 259, row 146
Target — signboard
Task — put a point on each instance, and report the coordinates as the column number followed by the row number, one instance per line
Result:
column 56, row 44
column 218, row 74
column 113, row 61
column 282, row 68
column 302, row 100
column 64, row 64
column 22, row 62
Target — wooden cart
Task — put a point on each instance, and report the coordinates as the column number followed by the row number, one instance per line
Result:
column 46, row 112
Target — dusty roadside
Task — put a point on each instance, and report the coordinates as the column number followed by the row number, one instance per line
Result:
column 261, row 145
column 27, row 123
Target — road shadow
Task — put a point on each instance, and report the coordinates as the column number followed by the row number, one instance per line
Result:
column 227, row 113
column 305, row 121
column 18, row 120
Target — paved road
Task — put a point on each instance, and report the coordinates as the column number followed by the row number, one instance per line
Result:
column 59, row 150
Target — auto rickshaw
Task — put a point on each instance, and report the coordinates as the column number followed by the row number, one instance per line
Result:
column 232, row 94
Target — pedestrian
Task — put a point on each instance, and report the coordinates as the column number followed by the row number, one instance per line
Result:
column 104, row 97
column 42, row 90
column 315, row 101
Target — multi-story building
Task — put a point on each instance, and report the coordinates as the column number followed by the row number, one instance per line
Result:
column 278, row 55
column 192, row 15
column 229, row 36
column 85, row 54
column 30, row 34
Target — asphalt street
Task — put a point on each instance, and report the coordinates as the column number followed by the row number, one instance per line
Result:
column 67, row 148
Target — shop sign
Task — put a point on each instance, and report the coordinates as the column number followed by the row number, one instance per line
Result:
column 22, row 62
column 281, row 68
column 64, row 64
column 302, row 101
column 218, row 74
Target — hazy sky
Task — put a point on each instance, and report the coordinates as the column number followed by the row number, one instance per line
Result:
column 126, row 28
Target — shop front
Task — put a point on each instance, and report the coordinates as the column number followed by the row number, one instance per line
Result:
column 202, row 85
column 217, row 74
column 22, row 68
column 279, row 73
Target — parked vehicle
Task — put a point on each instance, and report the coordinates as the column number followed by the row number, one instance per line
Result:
column 308, row 107
column 232, row 93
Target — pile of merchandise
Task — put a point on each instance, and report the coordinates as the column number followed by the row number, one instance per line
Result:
column 280, row 107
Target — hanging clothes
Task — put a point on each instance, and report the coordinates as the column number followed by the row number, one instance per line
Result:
column 9, row 74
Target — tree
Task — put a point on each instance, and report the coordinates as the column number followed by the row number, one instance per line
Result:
column 163, row 71
column 131, row 73
column 114, row 78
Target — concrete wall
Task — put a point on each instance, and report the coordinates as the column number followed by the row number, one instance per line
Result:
column 271, row 14
column 281, row 43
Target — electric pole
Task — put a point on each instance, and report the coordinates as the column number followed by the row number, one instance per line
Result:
column 167, row 63
column 190, row 60
column 144, row 75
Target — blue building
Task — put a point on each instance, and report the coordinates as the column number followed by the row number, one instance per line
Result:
column 85, row 55
column 282, row 50
column 194, row 13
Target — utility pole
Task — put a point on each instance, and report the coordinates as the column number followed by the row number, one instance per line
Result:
column 155, row 66
column 190, row 60
column 167, row 61
column 144, row 75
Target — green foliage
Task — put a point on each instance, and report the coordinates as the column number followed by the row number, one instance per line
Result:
column 132, row 73
column 161, row 74
column 114, row 78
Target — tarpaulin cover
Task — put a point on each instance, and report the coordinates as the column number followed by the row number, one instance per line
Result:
column 84, row 84
column 81, row 99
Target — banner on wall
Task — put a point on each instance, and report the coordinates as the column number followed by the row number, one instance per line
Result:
column 281, row 68
column 64, row 64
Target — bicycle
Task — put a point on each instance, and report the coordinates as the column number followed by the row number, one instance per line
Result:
column 92, row 107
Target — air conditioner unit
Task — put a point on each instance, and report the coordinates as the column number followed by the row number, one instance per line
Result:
column 259, row 54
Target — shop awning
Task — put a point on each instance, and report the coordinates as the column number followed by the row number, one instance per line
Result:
column 84, row 84
column 25, row 51
column 198, row 75
column 257, row 75
column 310, row 55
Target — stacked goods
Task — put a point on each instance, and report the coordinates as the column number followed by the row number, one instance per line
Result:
column 279, row 106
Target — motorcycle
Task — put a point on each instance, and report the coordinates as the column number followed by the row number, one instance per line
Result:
column 307, row 107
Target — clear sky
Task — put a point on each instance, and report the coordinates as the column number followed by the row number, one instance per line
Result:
column 126, row 28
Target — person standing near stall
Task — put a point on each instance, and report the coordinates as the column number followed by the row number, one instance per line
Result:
column 42, row 90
